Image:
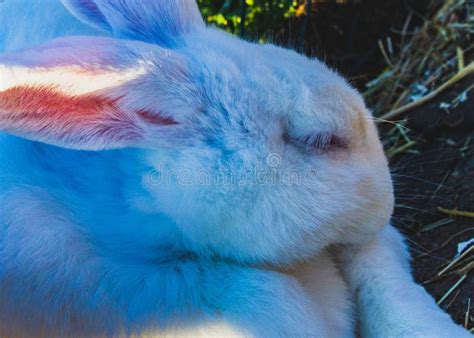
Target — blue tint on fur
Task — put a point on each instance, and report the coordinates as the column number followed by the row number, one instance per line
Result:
column 92, row 245
column 83, row 250
column 67, row 226
column 161, row 22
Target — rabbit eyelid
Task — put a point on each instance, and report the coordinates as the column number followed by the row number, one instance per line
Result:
column 321, row 142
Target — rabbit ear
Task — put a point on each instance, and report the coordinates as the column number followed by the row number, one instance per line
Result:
column 88, row 12
column 84, row 93
column 163, row 22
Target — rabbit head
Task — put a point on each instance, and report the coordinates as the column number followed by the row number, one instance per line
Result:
column 257, row 153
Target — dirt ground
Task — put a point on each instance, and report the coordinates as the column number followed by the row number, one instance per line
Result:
column 440, row 175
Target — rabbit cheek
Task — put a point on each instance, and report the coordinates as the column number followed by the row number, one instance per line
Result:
column 379, row 200
column 375, row 193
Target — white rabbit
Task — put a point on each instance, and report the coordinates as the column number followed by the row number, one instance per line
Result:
column 158, row 177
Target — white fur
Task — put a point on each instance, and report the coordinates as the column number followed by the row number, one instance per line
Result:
column 191, row 223
column 390, row 304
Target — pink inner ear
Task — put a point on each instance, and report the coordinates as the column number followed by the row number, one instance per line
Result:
column 46, row 103
column 47, row 115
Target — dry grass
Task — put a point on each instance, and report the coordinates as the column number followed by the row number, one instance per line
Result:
column 425, row 60
column 423, row 64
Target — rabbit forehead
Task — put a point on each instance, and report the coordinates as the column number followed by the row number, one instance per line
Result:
column 272, row 80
